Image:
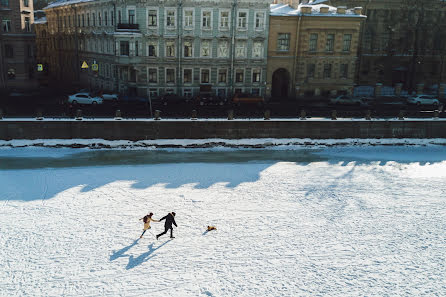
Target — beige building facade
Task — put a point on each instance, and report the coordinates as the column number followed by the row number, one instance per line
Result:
column 17, row 45
column 312, row 50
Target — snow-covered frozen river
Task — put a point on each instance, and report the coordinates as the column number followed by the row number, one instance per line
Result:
column 339, row 221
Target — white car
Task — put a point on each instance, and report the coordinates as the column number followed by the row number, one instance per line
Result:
column 110, row 97
column 347, row 100
column 84, row 98
column 423, row 100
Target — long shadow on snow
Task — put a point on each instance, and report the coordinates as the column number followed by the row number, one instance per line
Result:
column 171, row 170
column 144, row 257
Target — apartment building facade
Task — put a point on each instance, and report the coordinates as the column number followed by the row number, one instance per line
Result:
column 313, row 49
column 157, row 47
column 17, row 45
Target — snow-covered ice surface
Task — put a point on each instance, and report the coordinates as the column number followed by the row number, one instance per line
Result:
column 337, row 221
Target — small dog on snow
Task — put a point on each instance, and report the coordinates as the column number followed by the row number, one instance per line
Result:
column 210, row 228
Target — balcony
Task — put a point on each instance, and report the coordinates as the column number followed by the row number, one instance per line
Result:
column 123, row 26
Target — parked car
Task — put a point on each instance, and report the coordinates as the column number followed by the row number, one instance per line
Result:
column 241, row 98
column 423, row 100
column 133, row 99
column 348, row 100
column 110, row 97
column 84, row 98
column 389, row 102
column 169, row 99
column 208, row 99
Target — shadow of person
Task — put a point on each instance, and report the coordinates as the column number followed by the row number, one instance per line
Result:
column 133, row 262
column 121, row 252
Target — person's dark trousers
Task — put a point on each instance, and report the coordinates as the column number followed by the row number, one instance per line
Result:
column 165, row 231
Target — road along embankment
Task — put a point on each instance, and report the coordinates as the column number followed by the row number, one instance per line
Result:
column 135, row 130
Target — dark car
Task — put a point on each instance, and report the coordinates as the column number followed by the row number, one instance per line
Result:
column 389, row 102
column 208, row 99
column 170, row 99
column 133, row 100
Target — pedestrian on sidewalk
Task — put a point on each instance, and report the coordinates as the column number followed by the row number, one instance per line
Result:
column 170, row 219
column 147, row 219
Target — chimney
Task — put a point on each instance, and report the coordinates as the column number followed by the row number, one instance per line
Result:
column 294, row 3
column 323, row 9
column 305, row 9
column 341, row 9
column 357, row 10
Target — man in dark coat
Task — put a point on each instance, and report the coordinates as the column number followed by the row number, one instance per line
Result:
column 170, row 219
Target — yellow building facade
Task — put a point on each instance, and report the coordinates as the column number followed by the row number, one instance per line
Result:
column 312, row 49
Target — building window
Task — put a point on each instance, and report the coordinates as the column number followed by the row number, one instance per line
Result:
column 221, row 93
column 260, row 20
column 255, row 92
column 11, row 73
column 347, row 42
column 28, row 24
column 223, row 49
column 136, row 48
column 153, row 93
column 6, row 24
column 88, row 20
column 170, row 75
column 313, row 42
column 240, row 49
column 329, row 44
column 105, row 18
column 242, row 20
column 224, row 20
column 99, row 19
column 9, row 51
column 206, row 19
column 153, row 75
column 26, row 3
column 222, row 76
column 283, row 42
column 153, row 18
column 205, row 48
column 170, row 48
column 119, row 17
column 187, row 49
column 257, row 50
column 239, row 75
column 83, row 20
column 187, row 76
column 205, row 76
column 344, row 71
column 327, row 70
column 187, row 93
column 131, row 13
column 124, row 48
column 311, row 68
column 152, row 49
column 112, row 18
column 256, row 75
column 94, row 19
column 189, row 19
column 170, row 19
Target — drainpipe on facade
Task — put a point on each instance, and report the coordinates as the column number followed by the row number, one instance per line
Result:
column 180, row 25
column 233, row 24
column 295, row 56
column 115, row 50
column 76, row 44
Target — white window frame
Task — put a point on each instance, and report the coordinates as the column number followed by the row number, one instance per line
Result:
column 201, row 76
column 255, row 20
column 157, row 17
column 210, row 20
column 261, row 49
column 235, row 75
column 210, row 48
column 191, row 46
column 192, row 76
column 151, row 42
column 191, row 27
column 128, row 8
column 155, row 92
column 238, row 20
column 174, row 75
column 219, row 20
column 174, row 48
column 148, row 75
column 191, row 92
column 167, row 10
column 218, row 49
column 252, row 75
column 218, row 76
column 237, row 47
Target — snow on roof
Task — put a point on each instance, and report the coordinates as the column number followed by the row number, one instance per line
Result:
column 286, row 10
column 59, row 3
column 41, row 20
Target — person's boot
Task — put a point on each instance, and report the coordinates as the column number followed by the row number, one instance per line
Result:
column 157, row 237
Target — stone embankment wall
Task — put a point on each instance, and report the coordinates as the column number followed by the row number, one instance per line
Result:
column 189, row 129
